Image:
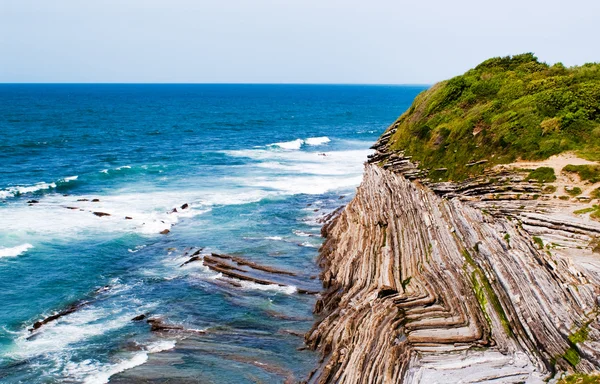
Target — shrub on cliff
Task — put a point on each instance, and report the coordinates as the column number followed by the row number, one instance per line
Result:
column 504, row 109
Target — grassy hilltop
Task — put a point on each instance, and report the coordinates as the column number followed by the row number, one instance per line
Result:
column 506, row 108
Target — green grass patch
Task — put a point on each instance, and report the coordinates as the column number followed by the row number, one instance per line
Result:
column 573, row 191
column 595, row 194
column 584, row 211
column 538, row 241
column 581, row 334
column 542, row 175
column 572, row 356
column 506, row 108
column 549, row 189
column 594, row 211
column 589, row 173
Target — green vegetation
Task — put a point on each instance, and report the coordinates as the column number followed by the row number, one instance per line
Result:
column 538, row 241
column 575, row 191
column 549, row 189
column 542, row 175
column 504, row 109
column 581, row 334
column 595, row 194
column 584, row 210
column 594, row 209
column 589, row 173
column 405, row 283
column 483, row 290
column 572, row 356
column 580, row 379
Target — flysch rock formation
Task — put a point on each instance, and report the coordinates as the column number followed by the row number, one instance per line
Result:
column 483, row 281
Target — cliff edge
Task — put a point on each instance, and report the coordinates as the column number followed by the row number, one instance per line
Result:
column 448, row 267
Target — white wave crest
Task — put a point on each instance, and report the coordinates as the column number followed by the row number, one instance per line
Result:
column 274, row 238
column 317, row 140
column 15, row 251
column 25, row 189
column 21, row 190
column 287, row 289
column 94, row 372
column 290, row 145
column 162, row 345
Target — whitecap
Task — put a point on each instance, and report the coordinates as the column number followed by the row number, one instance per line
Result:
column 15, row 251
column 290, row 145
column 93, row 372
column 70, row 178
column 317, row 140
column 273, row 238
column 302, row 233
column 309, row 245
column 287, row 289
column 21, row 190
column 104, row 373
column 159, row 346
column 57, row 335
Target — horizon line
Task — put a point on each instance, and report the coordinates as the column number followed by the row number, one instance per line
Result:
column 208, row 83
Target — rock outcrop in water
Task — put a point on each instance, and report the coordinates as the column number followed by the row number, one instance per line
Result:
column 492, row 279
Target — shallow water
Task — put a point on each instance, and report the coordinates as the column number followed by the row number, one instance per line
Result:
column 257, row 165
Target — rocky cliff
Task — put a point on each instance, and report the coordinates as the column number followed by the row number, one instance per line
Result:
column 495, row 278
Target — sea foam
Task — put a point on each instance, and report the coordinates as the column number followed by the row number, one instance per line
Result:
column 317, row 140
column 15, row 251
column 290, row 145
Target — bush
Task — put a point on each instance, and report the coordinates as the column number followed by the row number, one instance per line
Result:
column 542, row 175
column 589, row 173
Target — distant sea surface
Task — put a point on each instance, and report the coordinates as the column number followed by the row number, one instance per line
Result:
column 257, row 165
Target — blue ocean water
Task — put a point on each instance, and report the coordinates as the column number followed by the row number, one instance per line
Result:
column 258, row 165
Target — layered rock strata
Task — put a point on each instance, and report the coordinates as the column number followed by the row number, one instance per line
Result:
column 479, row 281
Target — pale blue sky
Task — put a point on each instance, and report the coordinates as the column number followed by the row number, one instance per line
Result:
column 294, row 41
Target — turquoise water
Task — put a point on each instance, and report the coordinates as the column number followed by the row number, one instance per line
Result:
column 257, row 165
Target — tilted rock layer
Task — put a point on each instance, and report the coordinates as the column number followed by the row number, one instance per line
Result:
column 452, row 283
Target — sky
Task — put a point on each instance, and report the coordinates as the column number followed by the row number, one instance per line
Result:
column 293, row 41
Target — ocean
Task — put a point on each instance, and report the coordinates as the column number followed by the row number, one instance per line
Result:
column 107, row 190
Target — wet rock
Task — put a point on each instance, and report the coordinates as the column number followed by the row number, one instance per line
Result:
column 95, row 200
column 33, row 202
column 70, row 309
column 164, row 231
column 185, row 206
column 128, row 218
column 139, row 317
column 174, row 210
column 158, row 325
column 82, row 200
column 101, row 214
column 192, row 259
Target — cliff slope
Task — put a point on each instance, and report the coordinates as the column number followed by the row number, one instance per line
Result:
column 491, row 276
